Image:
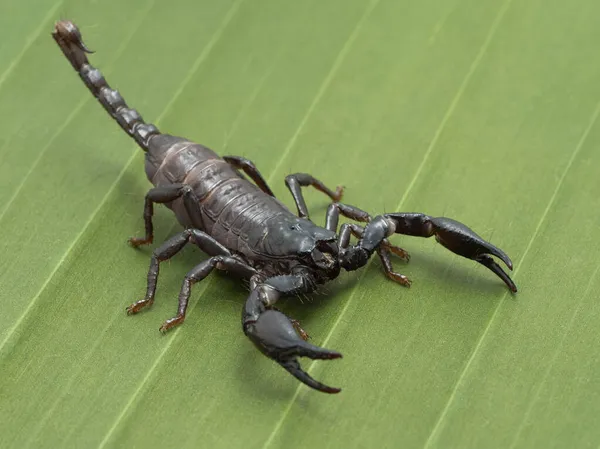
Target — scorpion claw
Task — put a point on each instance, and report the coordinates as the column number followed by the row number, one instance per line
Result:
column 293, row 367
column 275, row 336
column 463, row 241
column 488, row 262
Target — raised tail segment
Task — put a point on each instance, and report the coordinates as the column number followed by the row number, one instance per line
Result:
column 68, row 38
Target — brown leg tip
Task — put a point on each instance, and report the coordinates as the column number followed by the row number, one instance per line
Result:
column 136, row 242
column 299, row 329
column 339, row 193
column 399, row 278
column 170, row 324
column 396, row 250
column 137, row 306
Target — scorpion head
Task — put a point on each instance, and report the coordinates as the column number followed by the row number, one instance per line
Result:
column 323, row 258
column 317, row 249
column 303, row 243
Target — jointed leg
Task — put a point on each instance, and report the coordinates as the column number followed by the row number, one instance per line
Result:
column 357, row 231
column 167, row 250
column 161, row 195
column 384, row 256
column 275, row 335
column 198, row 273
column 250, row 169
column 383, row 251
column 295, row 183
column 353, row 213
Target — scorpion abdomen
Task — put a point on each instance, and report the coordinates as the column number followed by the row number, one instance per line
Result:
column 231, row 207
column 170, row 159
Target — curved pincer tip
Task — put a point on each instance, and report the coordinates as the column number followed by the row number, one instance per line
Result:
column 463, row 241
column 488, row 262
column 274, row 334
column 305, row 349
column 495, row 251
column 293, row 367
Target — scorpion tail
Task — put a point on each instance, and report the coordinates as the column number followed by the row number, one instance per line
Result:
column 67, row 36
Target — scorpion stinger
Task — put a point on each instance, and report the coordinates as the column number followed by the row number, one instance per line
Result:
column 68, row 38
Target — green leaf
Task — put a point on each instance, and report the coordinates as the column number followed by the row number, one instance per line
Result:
column 482, row 111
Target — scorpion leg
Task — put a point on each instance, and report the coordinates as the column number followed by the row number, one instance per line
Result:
column 295, row 183
column 275, row 335
column 384, row 256
column 354, row 213
column 167, row 250
column 162, row 195
column 198, row 273
column 452, row 234
column 241, row 163
column 383, row 251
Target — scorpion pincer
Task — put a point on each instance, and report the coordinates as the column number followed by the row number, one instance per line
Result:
column 248, row 232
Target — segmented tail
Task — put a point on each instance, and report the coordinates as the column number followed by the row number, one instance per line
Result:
column 67, row 36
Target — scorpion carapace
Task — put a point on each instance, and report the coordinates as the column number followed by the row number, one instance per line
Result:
column 247, row 232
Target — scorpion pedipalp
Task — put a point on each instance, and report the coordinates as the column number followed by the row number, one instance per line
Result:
column 276, row 335
column 452, row 234
column 463, row 241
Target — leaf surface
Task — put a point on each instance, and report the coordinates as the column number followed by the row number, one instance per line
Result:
column 483, row 111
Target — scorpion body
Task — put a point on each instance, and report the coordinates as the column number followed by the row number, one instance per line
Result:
column 248, row 232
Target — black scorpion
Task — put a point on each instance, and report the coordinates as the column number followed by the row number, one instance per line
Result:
column 248, row 232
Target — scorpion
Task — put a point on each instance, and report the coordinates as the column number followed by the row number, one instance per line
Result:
column 246, row 231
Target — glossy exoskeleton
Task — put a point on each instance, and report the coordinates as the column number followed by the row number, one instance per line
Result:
column 246, row 231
